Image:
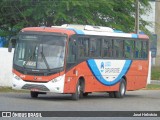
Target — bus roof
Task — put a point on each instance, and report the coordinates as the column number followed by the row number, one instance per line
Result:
column 49, row 29
column 85, row 30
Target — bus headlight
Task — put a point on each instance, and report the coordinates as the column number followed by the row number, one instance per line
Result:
column 54, row 80
column 58, row 79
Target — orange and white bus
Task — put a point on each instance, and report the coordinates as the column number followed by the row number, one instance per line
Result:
column 78, row 60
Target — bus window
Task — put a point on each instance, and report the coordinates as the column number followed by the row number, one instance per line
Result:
column 138, row 49
column 95, row 50
column 144, row 50
column 71, row 58
column 107, row 48
column 118, row 49
column 128, row 48
column 83, row 46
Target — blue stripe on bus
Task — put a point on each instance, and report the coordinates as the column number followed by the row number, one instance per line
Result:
column 93, row 67
column 77, row 31
column 134, row 36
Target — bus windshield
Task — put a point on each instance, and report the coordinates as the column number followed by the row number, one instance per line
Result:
column 40, row 51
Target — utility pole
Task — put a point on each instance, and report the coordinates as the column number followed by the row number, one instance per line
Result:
column 137, row 17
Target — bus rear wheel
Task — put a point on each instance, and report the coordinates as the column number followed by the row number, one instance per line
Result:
column 34, row 94
column 122, row 89
column 112, row 94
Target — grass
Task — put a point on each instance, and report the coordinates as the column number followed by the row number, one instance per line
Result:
column 153, row 87
column 155, row 73
column 9, row 89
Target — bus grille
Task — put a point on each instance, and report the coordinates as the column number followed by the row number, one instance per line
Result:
column 33, row 86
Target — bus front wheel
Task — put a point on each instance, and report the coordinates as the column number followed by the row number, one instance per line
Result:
column 34, row 94
column 79, row 91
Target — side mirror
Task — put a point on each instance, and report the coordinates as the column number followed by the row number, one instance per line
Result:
column 12, row 42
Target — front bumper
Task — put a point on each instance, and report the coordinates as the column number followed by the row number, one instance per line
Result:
column 56, row 85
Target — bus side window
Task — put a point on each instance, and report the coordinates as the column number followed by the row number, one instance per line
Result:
column 144, row 50
column 129, row 48
column 138, row 49
column 95, row 50
column 83, row 45
column 118, row 49
column 71, row 58
column 107, row 48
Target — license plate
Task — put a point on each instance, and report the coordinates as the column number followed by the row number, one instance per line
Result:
column 34, row 89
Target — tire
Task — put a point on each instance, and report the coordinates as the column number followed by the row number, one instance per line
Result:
column 79, row 91
column 122, row 89
column 85, row 94
column 112, row 94
column 34, row 94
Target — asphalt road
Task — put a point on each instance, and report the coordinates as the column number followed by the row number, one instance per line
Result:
column 141, row 100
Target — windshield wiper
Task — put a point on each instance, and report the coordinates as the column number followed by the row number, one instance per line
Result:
column 44, row 58
column 45, row 61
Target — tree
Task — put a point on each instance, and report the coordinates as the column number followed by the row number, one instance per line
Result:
column 119, row 14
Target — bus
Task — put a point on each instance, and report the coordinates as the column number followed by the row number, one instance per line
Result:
column 79, row 60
